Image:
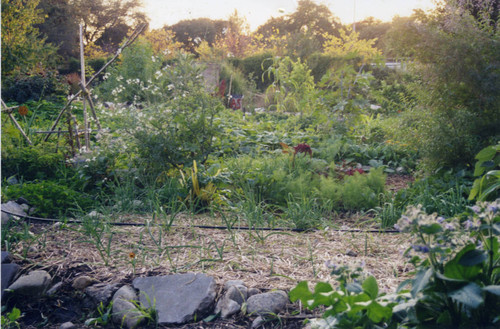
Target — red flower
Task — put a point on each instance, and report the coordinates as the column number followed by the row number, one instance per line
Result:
column 303, row 148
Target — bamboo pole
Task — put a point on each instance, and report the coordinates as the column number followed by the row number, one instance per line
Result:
column 127, row 43
column 85, row 118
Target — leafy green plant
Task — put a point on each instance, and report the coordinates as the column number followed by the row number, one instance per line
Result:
column 355, row 304
column 457, row 284
column 104, row 318
column 488, row 182
column 99, row 233
column 31, row 162
column 10, row 319
column 48, row 197
column 305, row 213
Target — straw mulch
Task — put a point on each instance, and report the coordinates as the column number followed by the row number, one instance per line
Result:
column 262, row 259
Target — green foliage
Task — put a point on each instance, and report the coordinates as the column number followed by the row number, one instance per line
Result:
column 22, row 88
column 10, row 319
column 50, row 199
column 488, row 182
column 138, row 77
column 458, row 276
column 180, row 130
column 355, row 304
column 362, row 191
column 255, row 67
column 293, row 88
column 104, row 315
column 31, row 162
column 459, row 103
column 23, row 49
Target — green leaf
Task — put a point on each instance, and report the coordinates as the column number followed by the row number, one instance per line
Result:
column 14, row 314
column 473, row 257
column 494, row 289
column 454, row 270
column 370, row 287
column 302, row 292
column 486, row 154
column 421, row 280
column 470, row 295
column 378, row 313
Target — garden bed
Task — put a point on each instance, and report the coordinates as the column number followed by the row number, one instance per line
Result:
column 262, row 259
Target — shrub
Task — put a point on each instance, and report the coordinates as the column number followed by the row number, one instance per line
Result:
column 362, row 191
column 50, row 199
column 31, row 162
column 37, row 86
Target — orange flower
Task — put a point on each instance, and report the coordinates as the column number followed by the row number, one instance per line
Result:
column 131, row 255
column 23, row 110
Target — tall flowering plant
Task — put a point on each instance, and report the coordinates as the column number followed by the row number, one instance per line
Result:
column 457, row 282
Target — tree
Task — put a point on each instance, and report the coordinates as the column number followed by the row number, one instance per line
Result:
column 305, row 29
column 349, row 43
column 23, row 49
column 107, row 19
column 456, row 53
column 193, row 31
column 373, row 29
column 59, row 27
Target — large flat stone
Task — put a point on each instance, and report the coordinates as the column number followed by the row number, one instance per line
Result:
column 178, row 298
column 9, row 271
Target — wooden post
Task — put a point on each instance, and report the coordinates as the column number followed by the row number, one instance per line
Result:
column 127, row 43
column 85, row 118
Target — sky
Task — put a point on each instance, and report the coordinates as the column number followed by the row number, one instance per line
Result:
column 257, row 12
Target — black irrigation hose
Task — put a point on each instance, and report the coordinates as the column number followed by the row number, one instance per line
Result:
column 51, row 220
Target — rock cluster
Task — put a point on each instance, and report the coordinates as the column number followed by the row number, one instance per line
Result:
column 167, row 300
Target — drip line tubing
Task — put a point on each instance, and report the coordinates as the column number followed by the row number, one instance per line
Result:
column 278, row 229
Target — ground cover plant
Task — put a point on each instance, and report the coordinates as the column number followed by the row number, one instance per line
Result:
column 333, row 166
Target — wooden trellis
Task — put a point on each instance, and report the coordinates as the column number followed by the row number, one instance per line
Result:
column 85, row 92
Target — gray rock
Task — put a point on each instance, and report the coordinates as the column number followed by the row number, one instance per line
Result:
column 5, row 257
column 227, row 307
column 101, row 292
column 237, row 293
column 25, row 207
column 32, row 285
column 179, row 297
column 13, row 207
column 269, row 302
column 5, row 219
column 258, row 321
column 124, row 311
column 9, row 271
column 54, row 289
column 253, row 291
column 83, row 282
column 67, row 325
column 230, row 283
column 230, row 303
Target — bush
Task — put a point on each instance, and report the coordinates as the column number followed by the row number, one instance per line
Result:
column 50, row 199
column 361, row 192
column 31, row 162
column 22, row 88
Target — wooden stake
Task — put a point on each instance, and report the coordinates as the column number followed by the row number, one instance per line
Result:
column 85, row 118
column 127, row 43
